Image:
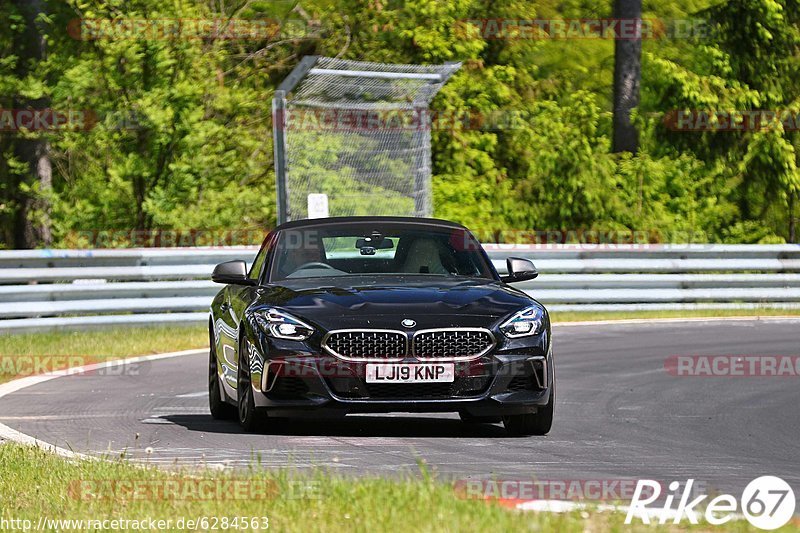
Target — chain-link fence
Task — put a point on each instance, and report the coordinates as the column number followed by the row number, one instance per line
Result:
column 353, row 138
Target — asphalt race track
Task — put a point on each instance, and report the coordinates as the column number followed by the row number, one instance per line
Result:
column 619, row 415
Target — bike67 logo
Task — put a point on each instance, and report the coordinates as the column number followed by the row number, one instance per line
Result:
column 767, row 503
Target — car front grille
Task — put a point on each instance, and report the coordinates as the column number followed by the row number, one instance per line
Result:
column 366, row 345
column 452, row 343
column 390, row 345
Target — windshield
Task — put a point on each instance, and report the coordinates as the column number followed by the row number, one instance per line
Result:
column 378, row 249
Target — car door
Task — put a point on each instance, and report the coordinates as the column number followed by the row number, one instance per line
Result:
column 236, row 300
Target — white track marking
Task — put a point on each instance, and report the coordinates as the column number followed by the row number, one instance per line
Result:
column 657, row 321
column 200, row 394
column 8, row 433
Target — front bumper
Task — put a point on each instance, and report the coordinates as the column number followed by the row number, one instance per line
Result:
column 514, row 379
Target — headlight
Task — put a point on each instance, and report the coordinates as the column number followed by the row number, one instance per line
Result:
column 523, row 323
column 282, row 325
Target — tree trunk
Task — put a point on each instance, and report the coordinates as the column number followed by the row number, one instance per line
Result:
column 32, row 220
column 32, row 226
column 627, row 73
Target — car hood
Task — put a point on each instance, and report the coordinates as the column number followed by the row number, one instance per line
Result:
column 382, row 302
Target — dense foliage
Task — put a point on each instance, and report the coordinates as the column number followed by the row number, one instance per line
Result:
column 182, row 138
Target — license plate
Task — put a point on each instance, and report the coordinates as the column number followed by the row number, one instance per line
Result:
column 411, row 373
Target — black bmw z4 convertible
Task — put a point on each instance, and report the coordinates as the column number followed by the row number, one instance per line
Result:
column 375, row 315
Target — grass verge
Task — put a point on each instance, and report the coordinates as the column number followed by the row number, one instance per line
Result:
column 37, row 484
column 34, row 353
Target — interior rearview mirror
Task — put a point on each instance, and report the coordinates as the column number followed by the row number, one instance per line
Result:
column 382, row 244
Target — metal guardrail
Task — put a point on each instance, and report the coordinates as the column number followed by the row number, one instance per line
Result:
column 47, row 289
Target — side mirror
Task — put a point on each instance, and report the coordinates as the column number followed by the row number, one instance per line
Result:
column 519, row 269
column 232, row 273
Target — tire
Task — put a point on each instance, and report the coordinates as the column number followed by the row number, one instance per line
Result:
column 220, row 409
column 538, row 423
column 250, row 418
column 471, row 419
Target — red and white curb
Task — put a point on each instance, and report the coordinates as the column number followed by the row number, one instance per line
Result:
column 655, row 515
